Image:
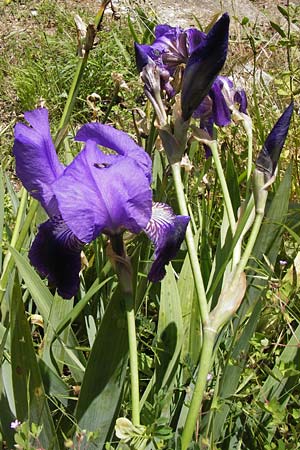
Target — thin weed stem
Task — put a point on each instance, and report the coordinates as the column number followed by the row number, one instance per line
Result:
column 191, row 245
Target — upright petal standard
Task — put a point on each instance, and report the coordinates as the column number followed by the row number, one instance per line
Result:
column 101, row 191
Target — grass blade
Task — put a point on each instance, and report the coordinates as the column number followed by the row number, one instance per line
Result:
column 30, row 399
column 104, row 377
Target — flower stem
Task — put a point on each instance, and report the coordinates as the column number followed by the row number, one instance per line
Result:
column 133, row 358
column 227, row 199
column 252, row 238
column 191, row 245
column 209, row 336
column 124, row 272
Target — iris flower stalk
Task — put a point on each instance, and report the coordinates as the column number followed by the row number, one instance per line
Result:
column 233, row 291
column 99, row 192
column 202, row 57
column 199, row 58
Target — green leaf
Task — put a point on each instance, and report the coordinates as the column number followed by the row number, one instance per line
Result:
column 190, row 316
column 131, row 29
column 1, row 214
column 40, row 293
column 268, row 244
column 53, row 384
column 283, row 11
column 102, row 385
column 278, row 29
column 44, row 301
column 6, row 416
column 29, row 394
column 279, row 385
column 169, row 331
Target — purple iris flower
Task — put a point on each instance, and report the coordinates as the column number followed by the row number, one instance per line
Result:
column 219, row 105
column 222, row 99
column 99, row 192
column 172, row 46
column 200, row 56
column 267, row 159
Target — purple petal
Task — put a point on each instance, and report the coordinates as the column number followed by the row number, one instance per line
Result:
column 37, row 164
column 55, row 253
column 241, row 99
column 208, row 126
column 195, row 37
column 203, row 66
column 268, row 158
column 167, row 231
column 103, row 193
column 204, row 110
column 116, row 140
column 142, row 55
column 220, row 109
column 165, row 29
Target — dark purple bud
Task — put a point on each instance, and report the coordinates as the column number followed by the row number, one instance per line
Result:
column 203, row 66
column 267, row 160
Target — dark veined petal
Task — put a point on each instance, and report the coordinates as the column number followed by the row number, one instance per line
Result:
column 195, row 38
column 103, row 193
column 142, row 55
column 166, row 30
column 220, row 109
column 37, row 164
column 203, row 66
column 116, row 140
column 55, row 253
column 268, row 158
column 240, row 98
column 166, row 231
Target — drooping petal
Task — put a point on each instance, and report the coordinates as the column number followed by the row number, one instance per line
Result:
column 103, row 193
column 116, row 140
column 203, row 66
column 240, row 98
column 37, row 164
column 167, row 231
column 220, row 109
column 55, row 253
column 268, row 157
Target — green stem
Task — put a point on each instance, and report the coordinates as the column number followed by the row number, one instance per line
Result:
column 77, row 79
column 18, row 238
column 133, row 358
column 204, row 312
column 19, row 219
column 124, row 272
column 251, row 241
column 209, row 336
column 227, row 199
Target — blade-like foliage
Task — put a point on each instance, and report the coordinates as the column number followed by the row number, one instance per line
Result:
column 103, row 381
column 29, row 393
column 268, row 243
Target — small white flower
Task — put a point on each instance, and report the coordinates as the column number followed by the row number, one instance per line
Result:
column 15, row 424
